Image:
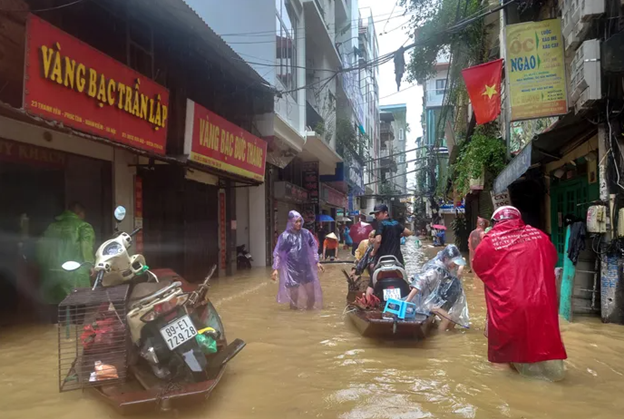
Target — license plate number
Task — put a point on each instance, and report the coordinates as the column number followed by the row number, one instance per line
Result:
column 178, row 331
column 394, row 293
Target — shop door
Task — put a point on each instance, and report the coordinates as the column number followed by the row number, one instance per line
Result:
column 569, row 197
column 31, row 198
column 201, row 229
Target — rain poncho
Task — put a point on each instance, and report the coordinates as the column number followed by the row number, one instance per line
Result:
column 68, row 238
column 517, row 264
column 296, row 258
column 476, row 236
column 440, row 288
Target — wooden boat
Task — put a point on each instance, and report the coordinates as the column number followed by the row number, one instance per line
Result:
column 143, row 392
column 372, row 324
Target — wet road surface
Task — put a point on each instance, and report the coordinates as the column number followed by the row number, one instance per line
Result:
column 315, row 365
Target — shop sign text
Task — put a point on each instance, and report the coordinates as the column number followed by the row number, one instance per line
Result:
column 30, row 154
column 216, row 142
column 71, row 82
column 536, row 70
column 310, row 171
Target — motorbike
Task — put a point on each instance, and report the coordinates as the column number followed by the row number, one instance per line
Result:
column 173, row 328
column 389, row 280
column 243, row 258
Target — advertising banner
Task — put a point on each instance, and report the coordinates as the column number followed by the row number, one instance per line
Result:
column 216, row 142
column 68, row 81
column 334, row 198
column 535, row 70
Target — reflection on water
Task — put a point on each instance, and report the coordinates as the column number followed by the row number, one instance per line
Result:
column 315, row 365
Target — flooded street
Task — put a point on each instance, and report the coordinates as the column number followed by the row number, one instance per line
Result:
column 315, row 365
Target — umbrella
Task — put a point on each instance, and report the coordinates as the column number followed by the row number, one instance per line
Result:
column 322, row 218
column 438, row 227
column 343, row 219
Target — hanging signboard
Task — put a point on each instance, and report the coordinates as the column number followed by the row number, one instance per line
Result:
column 334, row 198
column 286, row 191
column 310, row 172
column 216, row 142
column 68, row 81
column 535, row 70
column 500, row 199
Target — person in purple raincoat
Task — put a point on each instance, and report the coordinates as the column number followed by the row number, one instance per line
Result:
column 295, row 263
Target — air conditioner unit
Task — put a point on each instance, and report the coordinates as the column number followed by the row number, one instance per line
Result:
column 585, row 72
column 576, row 16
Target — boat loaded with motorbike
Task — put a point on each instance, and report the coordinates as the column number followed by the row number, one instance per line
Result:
column 384, row 315
column 140, row 338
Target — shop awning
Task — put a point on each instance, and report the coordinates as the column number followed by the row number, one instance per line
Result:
column 547, row 145
column 514, row 169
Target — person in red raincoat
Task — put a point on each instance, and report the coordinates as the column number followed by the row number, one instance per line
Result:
column 516, row 262
column 476, row 236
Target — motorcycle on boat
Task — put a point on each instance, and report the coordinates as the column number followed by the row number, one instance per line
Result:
column 143, row 338
column 372, row 318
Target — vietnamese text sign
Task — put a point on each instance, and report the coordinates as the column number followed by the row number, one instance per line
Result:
column 68, row 81
column 216, row 142
column 334, row 198
column 310, row 172
column 500, row 199
column 535, row 70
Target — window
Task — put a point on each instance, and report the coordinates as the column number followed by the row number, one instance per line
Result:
column 401, row 135
column 440, row 86
column 286, row 44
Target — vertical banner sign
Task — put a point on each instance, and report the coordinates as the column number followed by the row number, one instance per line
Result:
column 222, row 233
column 311, row 179
column 535, row 70
column 68, row 81
column 138, row 212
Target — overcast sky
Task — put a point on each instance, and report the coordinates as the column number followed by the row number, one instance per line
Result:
column 388, row 18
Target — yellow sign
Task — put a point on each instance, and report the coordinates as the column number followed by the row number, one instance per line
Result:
column 535, row 70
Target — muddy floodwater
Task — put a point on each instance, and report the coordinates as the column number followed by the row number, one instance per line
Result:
column 315, row 365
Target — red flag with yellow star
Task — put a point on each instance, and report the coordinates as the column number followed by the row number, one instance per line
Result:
column 484, row 84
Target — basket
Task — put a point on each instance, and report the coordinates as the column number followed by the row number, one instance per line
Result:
column 92, row 338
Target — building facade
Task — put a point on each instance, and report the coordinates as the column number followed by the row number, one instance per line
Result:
column 122, row 103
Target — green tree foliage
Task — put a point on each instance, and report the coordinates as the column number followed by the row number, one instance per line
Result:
column 484, row 153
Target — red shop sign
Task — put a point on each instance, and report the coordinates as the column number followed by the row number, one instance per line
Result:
column 68, row 81
column 216, row 142
column 222, row 232
column 335, row 198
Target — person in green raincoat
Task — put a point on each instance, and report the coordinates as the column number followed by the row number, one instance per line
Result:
column 67, row 238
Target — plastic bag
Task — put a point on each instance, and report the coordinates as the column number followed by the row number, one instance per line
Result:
column 206, row 340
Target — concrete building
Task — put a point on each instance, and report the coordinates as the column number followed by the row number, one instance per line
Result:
column 369, row 75
column 398, row 148
column 434, row 91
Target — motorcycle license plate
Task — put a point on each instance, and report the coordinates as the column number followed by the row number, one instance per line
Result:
column 178, row 331
column 394, row 293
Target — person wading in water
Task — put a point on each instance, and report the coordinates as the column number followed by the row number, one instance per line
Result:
column 295, row 264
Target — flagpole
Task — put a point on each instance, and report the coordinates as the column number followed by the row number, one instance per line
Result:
column 503, row 53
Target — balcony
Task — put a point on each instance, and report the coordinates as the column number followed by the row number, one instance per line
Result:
column 387, row 161
column 319, row 17
column 435, row 98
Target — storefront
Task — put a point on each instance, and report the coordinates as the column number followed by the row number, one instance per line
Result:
column 75, row 141
column 189, row 210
